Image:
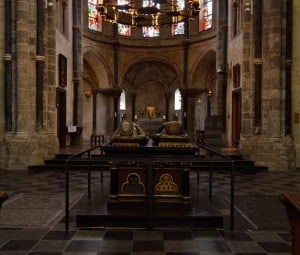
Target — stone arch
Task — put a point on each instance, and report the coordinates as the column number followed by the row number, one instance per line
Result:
column 100, row 67
column 201, row 68
column 203, row 76
column 158, row 58
column 96, row 75
column 154, row 76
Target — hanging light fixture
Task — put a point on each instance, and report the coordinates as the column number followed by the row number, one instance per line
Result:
column 147, row 13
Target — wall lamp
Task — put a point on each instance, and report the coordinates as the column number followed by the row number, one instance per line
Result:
column 209, row 92
column 87, row 93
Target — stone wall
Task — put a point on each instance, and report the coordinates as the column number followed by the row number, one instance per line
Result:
column 267, row 143
column 296, row 80
column 27, row 144
column 277, row 153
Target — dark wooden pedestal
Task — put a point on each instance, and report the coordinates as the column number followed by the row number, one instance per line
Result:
column 291, row 202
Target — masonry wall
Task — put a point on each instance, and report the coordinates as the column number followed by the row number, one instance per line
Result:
column 267, row 144
column 27, row 144
column 296, row 80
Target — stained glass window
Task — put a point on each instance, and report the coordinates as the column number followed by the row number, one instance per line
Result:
column 95, row 20
column 178, row 29
column 205, row 15
column 124, row 30
column 152, row 31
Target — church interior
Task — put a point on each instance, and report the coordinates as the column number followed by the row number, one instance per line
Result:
column 149, row 127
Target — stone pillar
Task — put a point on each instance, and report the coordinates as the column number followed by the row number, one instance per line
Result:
column 116, row 74
column 94, row 112
column 265, row 141
column 76, row 56
column 8, row 67
column 25, row 145
column 40, row 62
column 167, row 98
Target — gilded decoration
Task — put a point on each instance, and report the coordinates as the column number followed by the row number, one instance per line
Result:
column 133, row 184
column 166, row 185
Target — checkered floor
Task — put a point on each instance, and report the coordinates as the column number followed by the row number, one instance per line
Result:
column 31, row 220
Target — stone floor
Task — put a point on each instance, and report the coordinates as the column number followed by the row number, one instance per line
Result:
column 31, row 220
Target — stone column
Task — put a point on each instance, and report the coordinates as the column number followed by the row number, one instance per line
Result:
column 167, row 98
column 94, row 111
column 76, row 56
column 263, row 137
column 8, row 67
column 40, row 62
column 116, row 74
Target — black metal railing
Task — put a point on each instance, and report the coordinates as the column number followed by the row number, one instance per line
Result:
column 100, row 161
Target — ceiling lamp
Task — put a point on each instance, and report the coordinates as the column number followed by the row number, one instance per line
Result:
column 147, row 13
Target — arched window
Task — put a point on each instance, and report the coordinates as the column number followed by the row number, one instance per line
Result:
column 205, row 15
column 123, row 101
column 177, row 100
column 95, row 20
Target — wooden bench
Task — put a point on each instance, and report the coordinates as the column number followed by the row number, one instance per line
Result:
column 291, row 202
column 3, row 197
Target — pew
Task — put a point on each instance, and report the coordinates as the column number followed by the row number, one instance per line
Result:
column 291, row 201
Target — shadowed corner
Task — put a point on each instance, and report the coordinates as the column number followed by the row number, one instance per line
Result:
column 3, row 197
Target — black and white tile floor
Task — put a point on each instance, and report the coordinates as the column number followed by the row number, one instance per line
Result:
column 23, row 230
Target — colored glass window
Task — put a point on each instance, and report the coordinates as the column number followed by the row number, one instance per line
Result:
column 152, row 31
column 95, row 20
column 178, row 29
column 205, row 15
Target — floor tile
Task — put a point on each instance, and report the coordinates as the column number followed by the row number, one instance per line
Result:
column 264, row 236
column 115, row 246
column 148, row 246
column 177, row 235
column 83, row 246
column 181, row 246
column 148, row 235
column 275, row 246
column 237, row 236
column 118, row 235
column 286, row 237
column 50, row 246
column 88, row 235
column 59, row 235
column 18, row 245
column 212, row 246
column 245, row 246
column 207, row 234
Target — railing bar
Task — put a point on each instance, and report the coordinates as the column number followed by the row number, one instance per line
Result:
column 232, row 184
column 89, row 175
column 210, row 181
column 67, row 195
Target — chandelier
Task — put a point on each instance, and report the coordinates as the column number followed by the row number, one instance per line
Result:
column 148, row 12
